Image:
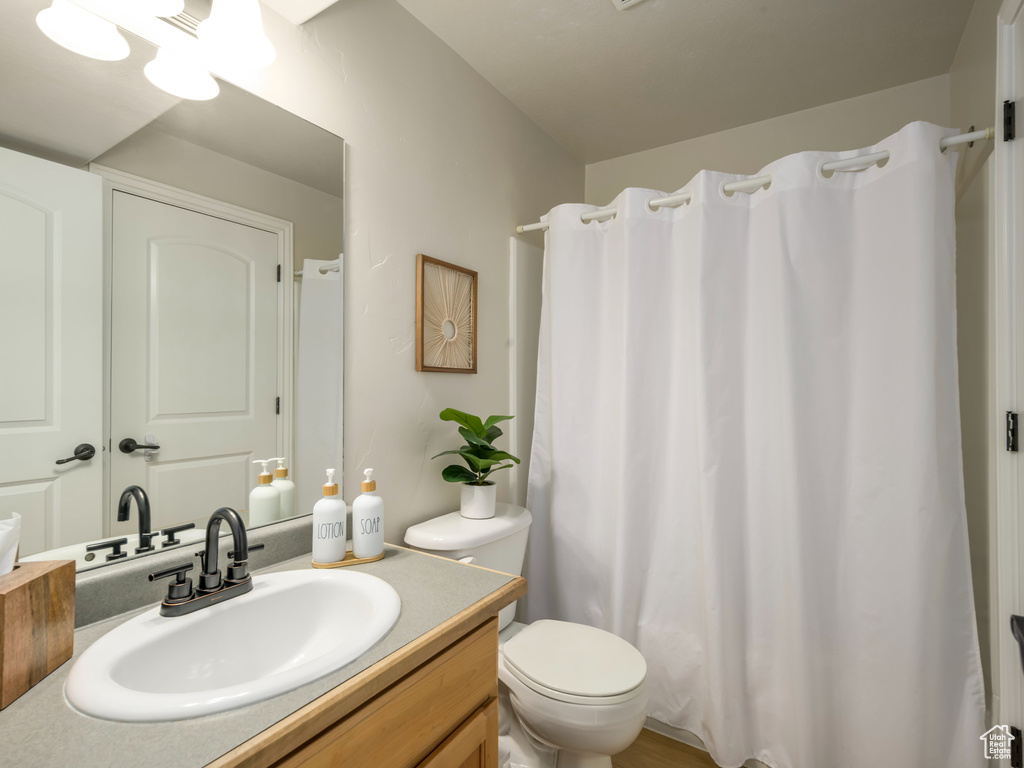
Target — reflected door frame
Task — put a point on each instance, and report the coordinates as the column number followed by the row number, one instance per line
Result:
column 118, row 181
column 1006, row 390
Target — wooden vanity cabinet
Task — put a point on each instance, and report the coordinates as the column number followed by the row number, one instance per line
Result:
column 432, row 704
column 473, row 745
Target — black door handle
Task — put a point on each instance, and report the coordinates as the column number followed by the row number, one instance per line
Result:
column 1017, row 629
column 128, row 445
column 83, row 452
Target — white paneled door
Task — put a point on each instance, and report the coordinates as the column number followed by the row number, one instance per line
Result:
column 194, row 357
column 51, row 358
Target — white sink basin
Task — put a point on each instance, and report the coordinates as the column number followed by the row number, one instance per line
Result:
column 291, row 629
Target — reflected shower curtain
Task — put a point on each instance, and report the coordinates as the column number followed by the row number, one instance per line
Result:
column 746, row 459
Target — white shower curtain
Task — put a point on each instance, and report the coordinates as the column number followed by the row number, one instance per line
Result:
column 746, row 459
column 318, row 389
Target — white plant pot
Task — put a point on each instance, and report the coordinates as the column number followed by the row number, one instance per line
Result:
column 478, row 501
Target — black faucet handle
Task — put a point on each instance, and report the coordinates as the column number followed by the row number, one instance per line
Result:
column 238, row 571
column 250, row 548
column 113, row 544
column 146, row 542
column 180, row 589
column 169, row 533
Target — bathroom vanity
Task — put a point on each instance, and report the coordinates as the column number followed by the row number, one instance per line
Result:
column 424, row 695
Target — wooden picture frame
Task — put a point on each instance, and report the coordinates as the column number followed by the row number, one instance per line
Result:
column 445, row 317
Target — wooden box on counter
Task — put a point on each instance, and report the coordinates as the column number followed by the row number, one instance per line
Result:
column 37, row 624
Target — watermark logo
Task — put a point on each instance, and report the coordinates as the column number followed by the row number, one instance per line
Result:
column 997, row 742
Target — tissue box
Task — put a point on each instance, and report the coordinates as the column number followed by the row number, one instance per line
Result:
column 37, row 624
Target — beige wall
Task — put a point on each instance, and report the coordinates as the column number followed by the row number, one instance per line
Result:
column 847, row 124
column 438, row 162
column 972, row 102
column 315, row 215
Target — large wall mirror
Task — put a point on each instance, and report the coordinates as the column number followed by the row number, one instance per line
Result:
column 170, row 297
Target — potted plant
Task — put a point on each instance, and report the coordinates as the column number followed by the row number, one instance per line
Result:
column 482, row 459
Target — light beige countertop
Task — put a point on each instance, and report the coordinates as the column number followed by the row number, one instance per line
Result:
column 40, row 730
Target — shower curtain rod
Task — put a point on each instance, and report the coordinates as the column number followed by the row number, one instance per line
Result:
column 858, row 163
column 331, row 266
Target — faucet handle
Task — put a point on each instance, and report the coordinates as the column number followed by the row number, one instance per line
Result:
column 238, row 571
column 113, row 544
column 146, row 542
column 250, row 548
column 180, row 589
column 169, row 533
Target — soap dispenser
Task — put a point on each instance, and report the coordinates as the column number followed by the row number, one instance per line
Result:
column 265, row 499
column 286, row 488
column 368, row 520
column 329, row 525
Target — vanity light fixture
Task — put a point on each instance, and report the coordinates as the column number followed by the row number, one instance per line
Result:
column 234, row 30
column 80, row 31
column 179, row 77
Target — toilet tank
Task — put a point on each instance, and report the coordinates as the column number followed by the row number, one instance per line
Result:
column 498, row 542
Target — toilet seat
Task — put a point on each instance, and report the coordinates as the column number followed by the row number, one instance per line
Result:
column 575, row 663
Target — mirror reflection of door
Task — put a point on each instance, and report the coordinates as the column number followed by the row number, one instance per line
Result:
column 194, row 358
column 51, row 266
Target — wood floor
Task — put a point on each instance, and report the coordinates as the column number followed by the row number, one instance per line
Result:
column 652, row 750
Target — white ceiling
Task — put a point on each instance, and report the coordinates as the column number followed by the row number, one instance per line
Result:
column 606, row 83
column 298, row 11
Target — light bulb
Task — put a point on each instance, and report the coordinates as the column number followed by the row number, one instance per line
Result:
column 234, row 31
column 80, row 31
column 170, row 72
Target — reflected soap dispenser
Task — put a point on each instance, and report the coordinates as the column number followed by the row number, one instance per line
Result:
column 286, row 488
column 329, row 525
column 368, row 520
column 265, row 499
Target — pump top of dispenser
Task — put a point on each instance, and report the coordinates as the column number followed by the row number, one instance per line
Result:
column 369, row 484
column 265, row 477
column 281, row 470
column 330, row 487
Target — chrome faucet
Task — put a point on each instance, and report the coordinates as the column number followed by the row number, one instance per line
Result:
column 181, row 598
column 124, row 507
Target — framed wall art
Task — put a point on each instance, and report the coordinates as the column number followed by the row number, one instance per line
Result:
column 445, row 317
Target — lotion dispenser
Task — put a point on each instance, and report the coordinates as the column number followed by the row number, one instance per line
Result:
column 329, row 525
column 286, row 488
column 265, row 499
column 368, row 520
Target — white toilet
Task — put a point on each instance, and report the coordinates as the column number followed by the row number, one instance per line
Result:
column 575, row 689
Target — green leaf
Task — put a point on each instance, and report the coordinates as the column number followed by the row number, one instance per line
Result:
column 474, row 440
column 497, row 456
column 446, row 453
column 492, row 434
column 496, row 469
column 467, row 420
column 480, row 463
column 492, row 420
column 453, row 473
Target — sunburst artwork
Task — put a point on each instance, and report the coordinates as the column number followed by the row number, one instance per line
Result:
column 445, row 317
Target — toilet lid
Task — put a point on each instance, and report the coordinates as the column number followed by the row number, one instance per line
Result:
column 453, row 532
column 575, row 659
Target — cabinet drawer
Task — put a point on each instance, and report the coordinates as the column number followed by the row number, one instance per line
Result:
column 473, row 745
column 401, row 726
